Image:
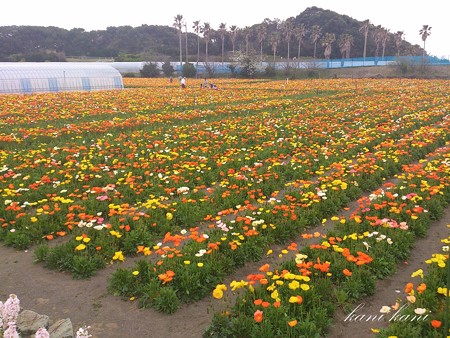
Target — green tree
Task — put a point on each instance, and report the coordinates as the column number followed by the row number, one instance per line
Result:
column 327, row 42
column 223, row 33
column 287, row 27
column 424, row 33
column 186, row 35
column 150, row 69
column 233, row 35
column 365, row 30
column 345, row 43
column 247, row 64
column 167, row 68
column 378, row 35
column 197, row 30
column 274, row 40
column 206, row 30
column 398, row 40
column 316, row 33
column 247, row 33
column 189, row 70
column 384, row 40
column 261, row 33
column 178, row 24
column 300, row 32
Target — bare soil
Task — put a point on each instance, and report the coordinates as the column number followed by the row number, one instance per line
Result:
column 387, row 290
column 87, row 302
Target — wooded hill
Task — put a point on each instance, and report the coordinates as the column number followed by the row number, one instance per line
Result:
column 161, row 43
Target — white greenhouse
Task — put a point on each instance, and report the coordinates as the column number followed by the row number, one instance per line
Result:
column 31, row 77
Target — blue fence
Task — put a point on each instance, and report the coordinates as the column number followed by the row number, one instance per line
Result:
column 224, row 68
column 221, row 68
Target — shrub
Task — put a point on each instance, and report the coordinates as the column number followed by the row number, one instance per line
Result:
column 189, row 70
column 150, row 69
column 167, row 68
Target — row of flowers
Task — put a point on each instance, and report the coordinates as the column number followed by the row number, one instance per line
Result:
column 298, row 297
column 425, row 302
column 207, row 182
column 245, row 238
column 85, row 178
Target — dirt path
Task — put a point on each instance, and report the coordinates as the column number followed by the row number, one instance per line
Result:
column 87, row 302
column 386, row 289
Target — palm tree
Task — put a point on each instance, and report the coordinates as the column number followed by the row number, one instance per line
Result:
column 327, row 41
column 365, row 30
column 300, row 32
column 425, row 32
column 345, row 43
column 233, row 35
column 178, row 24
column 186, row 35
column 262, row 32
column 398, row 39
column 247, row 32
column 274, row 39
column 197, row 29
column 223, row 32
column 384, row 40
column 206, row 30
column 316, row 32
column 287, row 27
column 378, row 38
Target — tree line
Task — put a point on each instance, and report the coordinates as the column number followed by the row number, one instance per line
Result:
column 314, row 33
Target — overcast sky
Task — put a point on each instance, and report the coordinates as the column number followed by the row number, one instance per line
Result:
column 396, row 15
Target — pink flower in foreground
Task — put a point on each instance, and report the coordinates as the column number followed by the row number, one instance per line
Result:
column 42, row 333
column 10, row 310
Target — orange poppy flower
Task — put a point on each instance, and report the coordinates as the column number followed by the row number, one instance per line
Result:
column 258, row 316
column 292, row 323
column 347, row 272
column 436, row 323
column 421, row 287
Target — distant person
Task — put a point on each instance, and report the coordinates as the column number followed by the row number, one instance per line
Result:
column 171, row 79
column 205, row 83
column 183, row 82
column 213, row 86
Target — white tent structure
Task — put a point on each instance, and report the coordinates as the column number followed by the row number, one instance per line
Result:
column 34, row 77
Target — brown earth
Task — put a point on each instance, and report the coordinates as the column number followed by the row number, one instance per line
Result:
column 87, row 302
column 387, row 290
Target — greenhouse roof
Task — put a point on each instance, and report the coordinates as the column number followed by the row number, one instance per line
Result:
column 54, row 77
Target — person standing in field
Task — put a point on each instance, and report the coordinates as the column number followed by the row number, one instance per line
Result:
column 205, row 83
column 183, row 82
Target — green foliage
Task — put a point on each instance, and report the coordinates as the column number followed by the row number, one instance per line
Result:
column 85, row 266
column 60, row 257
column 124, row 57
column 44, row 56
column 247, row 64
column 150, row 69
column 270, row 71
column 41, row 253
column 18, row 240
column 167, row 301
column 189, row 70
column 128, row 43
column 122, row 283
column 232, row 69
column 167, row 68
column 134, row 238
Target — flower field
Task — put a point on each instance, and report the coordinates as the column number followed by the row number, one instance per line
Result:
column 177, row 189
